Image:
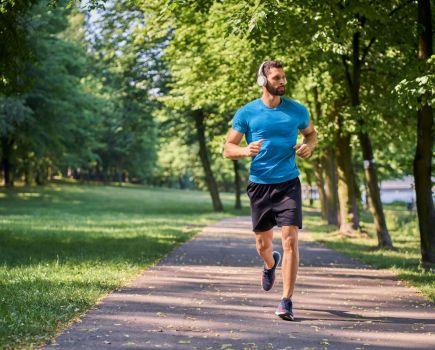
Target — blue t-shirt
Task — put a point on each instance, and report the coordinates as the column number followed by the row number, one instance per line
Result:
column 278, row 127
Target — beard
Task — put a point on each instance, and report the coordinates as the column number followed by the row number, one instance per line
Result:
column 275, row 92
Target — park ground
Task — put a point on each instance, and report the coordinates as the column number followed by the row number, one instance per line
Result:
column 65, row 246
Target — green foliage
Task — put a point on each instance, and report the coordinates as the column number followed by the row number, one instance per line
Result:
column 15, row 46
column 154, row 63
column 321, row 45
column 14, row 50
column 80, row 111
column 209, row 69
column 42, row 127
column 60, row 105
column 417, row 91
column 122, row 75
column 13, row 113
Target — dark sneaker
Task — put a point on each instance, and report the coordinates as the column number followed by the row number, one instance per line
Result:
column 285, row 309
column 268, row 276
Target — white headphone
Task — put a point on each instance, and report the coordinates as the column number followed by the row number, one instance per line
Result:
column 261, row 78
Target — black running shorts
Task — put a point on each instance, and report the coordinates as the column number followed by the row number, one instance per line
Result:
column 275, row 204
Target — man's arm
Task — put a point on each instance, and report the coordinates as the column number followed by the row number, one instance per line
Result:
column 305, row 150
column 233, row 151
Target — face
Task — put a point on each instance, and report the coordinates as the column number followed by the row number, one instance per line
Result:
column 276, row 82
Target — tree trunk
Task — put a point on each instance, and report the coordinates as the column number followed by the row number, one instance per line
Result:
column 384, row 240
column 331, row 191
column 319, row 168
column 203, row 154
column 423, row 153
column 320, row 182
column 237, row 186
column 98, row 174
column 39, row 176
column 27, row 176
column 349, row 219
column 6, row 162
column 370, row 173
column 6, row 165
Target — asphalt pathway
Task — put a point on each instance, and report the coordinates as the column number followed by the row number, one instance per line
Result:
column 206, row 295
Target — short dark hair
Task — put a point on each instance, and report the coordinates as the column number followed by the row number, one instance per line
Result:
column 271, row 64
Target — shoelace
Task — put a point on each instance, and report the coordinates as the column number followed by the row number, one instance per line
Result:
column 268, row 272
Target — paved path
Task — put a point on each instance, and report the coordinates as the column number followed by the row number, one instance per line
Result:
column 206, row 295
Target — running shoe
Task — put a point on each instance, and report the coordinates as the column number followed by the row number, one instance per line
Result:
column 268, row 276
column 285, row 309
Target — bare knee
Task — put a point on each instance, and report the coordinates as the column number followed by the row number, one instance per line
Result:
column 290, row 242
column 263, row 245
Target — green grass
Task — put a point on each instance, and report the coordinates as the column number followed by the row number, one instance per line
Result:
column 404, row 261
column 63, row 247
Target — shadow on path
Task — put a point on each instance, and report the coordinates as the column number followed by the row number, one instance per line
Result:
column 206, row 295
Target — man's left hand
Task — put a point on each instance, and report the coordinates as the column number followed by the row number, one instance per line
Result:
column 303, row 150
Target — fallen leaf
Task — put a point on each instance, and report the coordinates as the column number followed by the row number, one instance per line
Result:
column 227, row 346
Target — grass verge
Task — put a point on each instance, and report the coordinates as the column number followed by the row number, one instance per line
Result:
column 404, row 261
column 63, row 247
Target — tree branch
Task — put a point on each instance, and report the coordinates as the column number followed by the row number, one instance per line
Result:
column 398, row 8
column 346, row 68
column 365, row 51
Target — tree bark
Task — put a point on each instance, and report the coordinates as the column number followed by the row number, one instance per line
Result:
column 6, row 163
column 330, row 181
column 98, row 173
column 237, row 185
column 349, row 218
column 423, row 154
column 203, row 154
column 319, row 165
column 384, row 240
column 320, row 182
column 27, row 175
column 39, row 175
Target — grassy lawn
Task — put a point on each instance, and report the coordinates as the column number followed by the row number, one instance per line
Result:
column 404, row 261
column 63, row 247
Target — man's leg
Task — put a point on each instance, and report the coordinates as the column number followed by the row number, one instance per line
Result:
column 264, row 247
column 290, row 259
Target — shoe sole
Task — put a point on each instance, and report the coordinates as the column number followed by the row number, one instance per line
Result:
column 285, row 317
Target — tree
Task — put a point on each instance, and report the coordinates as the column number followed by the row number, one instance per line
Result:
column 15, row 50
column 425, row 139
column 14, row 113
column 124, row 69
column 207, row 84
column 55, row 107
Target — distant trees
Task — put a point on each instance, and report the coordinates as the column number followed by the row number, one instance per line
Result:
column 41, row 123
column 82, row 107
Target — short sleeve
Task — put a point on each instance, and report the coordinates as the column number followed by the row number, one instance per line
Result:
column 305, row 118
column 239, row 122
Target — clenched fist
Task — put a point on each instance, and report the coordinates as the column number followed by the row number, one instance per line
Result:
column 303, row 151
column 253, row 148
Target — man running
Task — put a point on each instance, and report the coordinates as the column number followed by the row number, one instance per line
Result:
column 270, row 125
